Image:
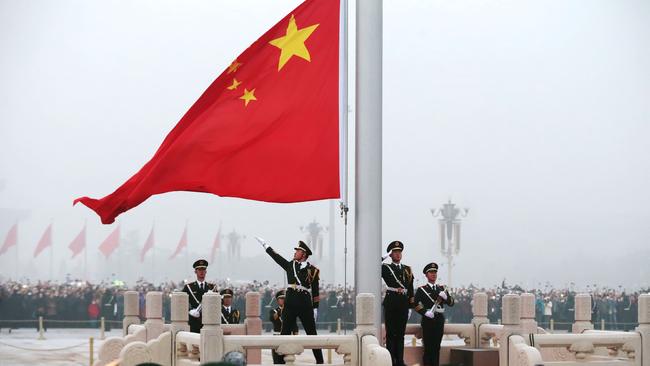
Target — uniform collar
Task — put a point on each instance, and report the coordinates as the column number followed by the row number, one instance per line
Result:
column 398, row 264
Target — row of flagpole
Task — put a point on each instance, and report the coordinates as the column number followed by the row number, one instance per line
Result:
column 107, row 247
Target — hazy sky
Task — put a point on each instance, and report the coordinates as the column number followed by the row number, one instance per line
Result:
column 533, row 114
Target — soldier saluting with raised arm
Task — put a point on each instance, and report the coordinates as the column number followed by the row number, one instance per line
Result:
column 302, row 296
column 195, row 290
column 398, row 300
column 430, row 299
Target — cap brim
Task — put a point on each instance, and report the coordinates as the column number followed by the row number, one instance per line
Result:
column 432, row 270
column 200, row 267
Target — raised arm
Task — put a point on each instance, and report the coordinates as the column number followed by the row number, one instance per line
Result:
column 276, row 257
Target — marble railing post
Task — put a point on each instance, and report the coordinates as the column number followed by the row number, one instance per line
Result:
column 582, row 319
column 365, row 315
column 480, row 311
column 253, row 324
column 511, row 320
column 528, row 323
column 211, row 332
column 154, row 323
column 180, row 307
column 644, row 328
column 131, row 310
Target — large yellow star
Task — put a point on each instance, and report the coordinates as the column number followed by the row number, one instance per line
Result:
column 248, row 96
column 234, row 66
column 293, row 43
column 235, row 84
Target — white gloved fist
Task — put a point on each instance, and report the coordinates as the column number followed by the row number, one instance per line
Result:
column 429, row 314
column 195, row 313
column 315, row 314
column 443, row 295
column 262, row 242
column 383, row 257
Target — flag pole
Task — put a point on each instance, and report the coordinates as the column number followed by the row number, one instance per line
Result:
column 85, row 253
column 343, row 161
column 368, row 152
column 153, row 253
column 51, row 252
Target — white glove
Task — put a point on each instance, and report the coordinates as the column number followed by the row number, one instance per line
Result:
column 315, row 314
column 443, row 295
column 195, row 313
column 262, row 242
column 383, row 257
column 429, row 314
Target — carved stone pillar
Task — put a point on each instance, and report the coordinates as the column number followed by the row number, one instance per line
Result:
column 644, row 328
column 211, row 332
column 511, row 320
column 253, row 324
column 154, row 323
column 582, row 314
column 180, row 308
column 365, row 315
column 528, row 323
column 131, row 310
column 480, row 312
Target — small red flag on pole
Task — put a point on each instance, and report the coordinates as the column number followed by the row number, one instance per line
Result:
column 46, row 241
column 110, row 243
column 181, row 244
column 10, row 240
column 147, row 245
column 78, row 244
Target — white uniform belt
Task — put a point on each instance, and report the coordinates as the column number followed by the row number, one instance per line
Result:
column 439, row 310
column 398, row 290
column 276, row 333
column 297, row 287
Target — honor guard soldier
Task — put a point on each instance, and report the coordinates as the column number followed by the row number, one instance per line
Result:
column 302, row 295
column 430, row 300
column 195, row 290
column 399, row 299
column 229, row 315
column 275, row 317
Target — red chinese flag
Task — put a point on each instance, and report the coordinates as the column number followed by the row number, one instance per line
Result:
column 110, row 243
column 216, row 244
column 147, row 245
column 79, row 243
column 46, row 241
column 266, row 129
column 10, row 240
column 181, row 244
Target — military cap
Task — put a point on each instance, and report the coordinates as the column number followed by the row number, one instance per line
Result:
column 226, row 292
column 395, row 245
column 430, row 267
column 201, row 263
column 280, row 294
column 302, row 246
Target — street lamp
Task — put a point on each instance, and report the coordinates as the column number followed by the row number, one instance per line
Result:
column 449, row 227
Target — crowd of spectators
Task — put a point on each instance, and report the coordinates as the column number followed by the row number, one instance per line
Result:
column 76, row 303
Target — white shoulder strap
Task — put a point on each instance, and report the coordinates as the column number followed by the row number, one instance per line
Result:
column 192, row 293
column 395, row 277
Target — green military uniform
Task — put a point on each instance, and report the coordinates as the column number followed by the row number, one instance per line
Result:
column 229, row 315
column 195, row 291
column 430, row 301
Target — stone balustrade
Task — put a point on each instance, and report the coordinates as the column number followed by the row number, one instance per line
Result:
column 518, row 338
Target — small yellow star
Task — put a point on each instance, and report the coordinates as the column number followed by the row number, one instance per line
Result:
column 234, row 85
column 293, row 42
column 234, row 66
column 248, row 96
